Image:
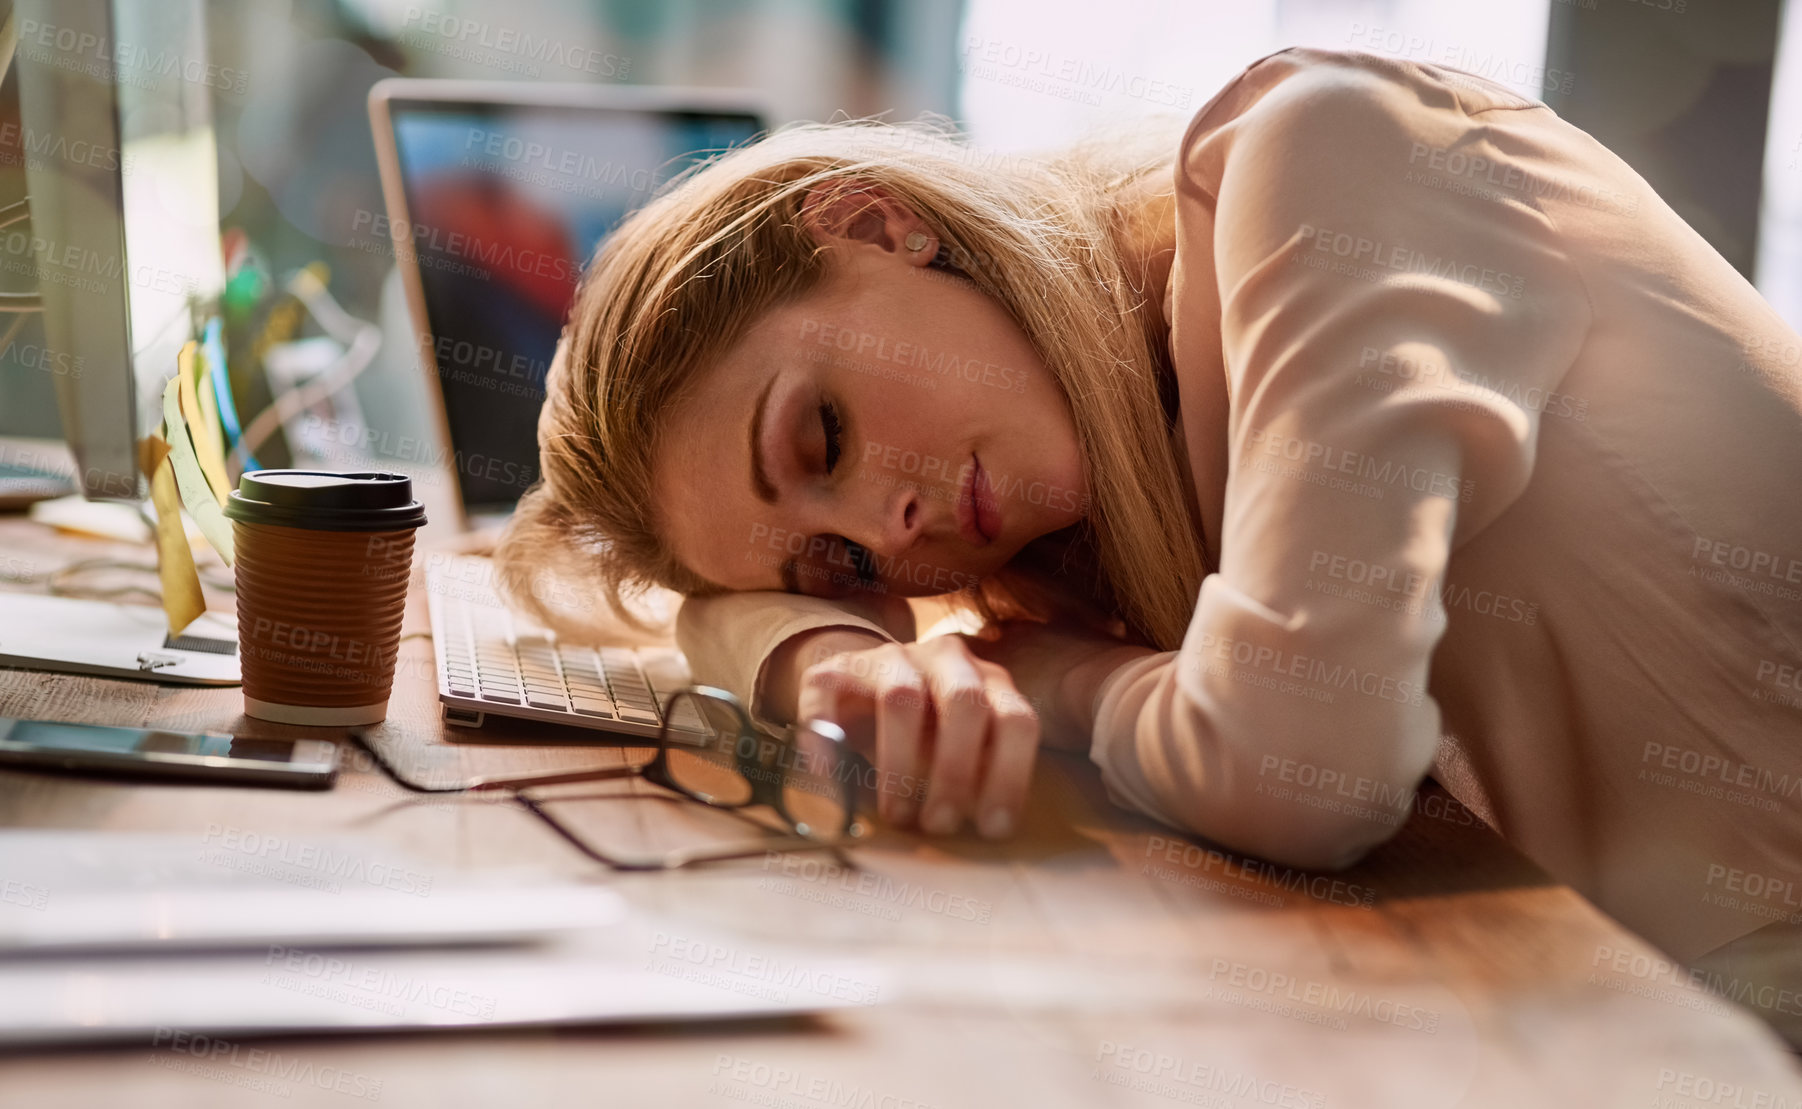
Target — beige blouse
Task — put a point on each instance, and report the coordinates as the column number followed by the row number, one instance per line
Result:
column 1501, row 465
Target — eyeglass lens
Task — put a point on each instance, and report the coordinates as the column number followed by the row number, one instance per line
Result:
column 709, row 772
column 801, row 776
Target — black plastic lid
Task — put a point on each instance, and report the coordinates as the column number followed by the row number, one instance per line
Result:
column 324, row 501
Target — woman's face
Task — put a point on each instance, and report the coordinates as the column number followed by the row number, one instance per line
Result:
column 893, row 431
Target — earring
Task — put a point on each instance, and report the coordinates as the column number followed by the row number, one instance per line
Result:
column 916, row 240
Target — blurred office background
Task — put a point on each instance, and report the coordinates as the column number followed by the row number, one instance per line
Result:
column 1704, row 97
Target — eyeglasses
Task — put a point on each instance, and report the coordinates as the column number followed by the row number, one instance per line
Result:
column 708, row 752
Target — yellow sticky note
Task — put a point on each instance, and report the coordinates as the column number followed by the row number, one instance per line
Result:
column 182, row 599
column 204, row 432
column 209, row 408
column 190, row 480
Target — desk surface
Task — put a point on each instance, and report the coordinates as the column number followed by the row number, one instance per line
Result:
column 1094, row 960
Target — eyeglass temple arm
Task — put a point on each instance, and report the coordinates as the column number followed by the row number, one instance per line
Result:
column 479, row 785
column 681, row 857
column 521, row 781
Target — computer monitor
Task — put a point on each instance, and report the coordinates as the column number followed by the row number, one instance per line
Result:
column 122, row 179
column 497, row 195
column 123, row 240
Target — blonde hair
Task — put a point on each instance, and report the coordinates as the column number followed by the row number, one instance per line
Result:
column 685, row 276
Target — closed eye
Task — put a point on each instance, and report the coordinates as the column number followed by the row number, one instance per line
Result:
column 862, row 561
column 829, row 423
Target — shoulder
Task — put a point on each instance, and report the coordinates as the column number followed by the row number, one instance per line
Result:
column 1310, row 107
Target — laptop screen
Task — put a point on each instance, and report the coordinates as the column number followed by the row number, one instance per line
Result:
column 508, row 202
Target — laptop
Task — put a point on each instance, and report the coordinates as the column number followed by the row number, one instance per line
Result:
column 501, row 192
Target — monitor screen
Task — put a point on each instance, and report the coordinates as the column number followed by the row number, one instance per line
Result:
column 508, row 203
column 124, row 214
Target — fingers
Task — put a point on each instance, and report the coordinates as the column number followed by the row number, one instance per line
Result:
column 822, row 688
column 932, row 712
column 878, row 691
column 958, row 737
column 900, row 736
column 1013, row 747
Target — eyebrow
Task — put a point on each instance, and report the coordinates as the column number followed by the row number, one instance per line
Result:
column 760, row 478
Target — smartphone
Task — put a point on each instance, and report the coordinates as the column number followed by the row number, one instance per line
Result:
column 148, row 752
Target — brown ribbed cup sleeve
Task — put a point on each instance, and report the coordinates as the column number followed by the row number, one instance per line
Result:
column 319, row 613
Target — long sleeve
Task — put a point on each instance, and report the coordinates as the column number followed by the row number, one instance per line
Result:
column 1384, row 340
column 727, row 638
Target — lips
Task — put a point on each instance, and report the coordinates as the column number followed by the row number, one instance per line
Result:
column 988, row 506
column 969, row 511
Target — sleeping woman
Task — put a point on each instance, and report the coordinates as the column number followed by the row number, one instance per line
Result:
column 1379, row 423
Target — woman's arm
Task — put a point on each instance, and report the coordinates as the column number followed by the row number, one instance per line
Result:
column 796, row 654
column 951, row 736
column 1294, row 723
column 755, row 644
column 1059, row 668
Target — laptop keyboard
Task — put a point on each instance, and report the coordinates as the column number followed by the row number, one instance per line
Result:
column 486, row 653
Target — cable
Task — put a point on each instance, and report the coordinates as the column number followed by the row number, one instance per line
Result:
column 213, row 348
column 9, row 42
column 19, row 210
column 6, row 340
column 57, row 583
column 361, row 339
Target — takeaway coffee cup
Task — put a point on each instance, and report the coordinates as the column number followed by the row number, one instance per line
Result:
column 322, row 562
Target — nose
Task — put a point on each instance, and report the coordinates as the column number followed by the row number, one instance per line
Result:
column 886, row 521
column 891, row 521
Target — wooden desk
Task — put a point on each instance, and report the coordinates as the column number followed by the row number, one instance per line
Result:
column 1095, row 960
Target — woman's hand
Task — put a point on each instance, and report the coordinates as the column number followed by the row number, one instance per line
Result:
column 953, row 738
column 1059, row 668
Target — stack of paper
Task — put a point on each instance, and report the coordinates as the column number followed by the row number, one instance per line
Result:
column 109, row 936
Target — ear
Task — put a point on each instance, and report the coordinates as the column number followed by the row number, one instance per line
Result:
column 852, row 214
